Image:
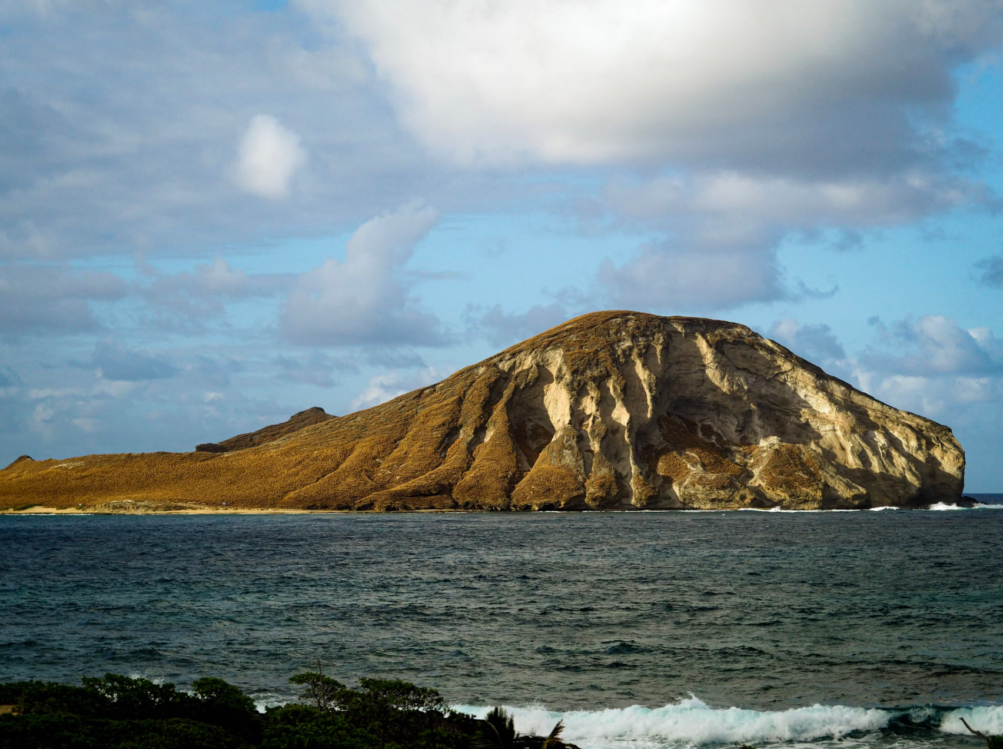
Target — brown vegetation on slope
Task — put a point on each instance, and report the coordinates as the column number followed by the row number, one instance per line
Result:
column 613, row 410
column 270, row 433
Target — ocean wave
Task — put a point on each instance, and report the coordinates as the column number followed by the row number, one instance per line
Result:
column 692, row 722
column 940, row 506
column 988, row 719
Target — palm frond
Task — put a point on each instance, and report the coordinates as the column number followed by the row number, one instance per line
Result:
column 555, row 735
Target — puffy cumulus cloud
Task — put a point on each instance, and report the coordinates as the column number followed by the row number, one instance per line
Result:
column 384, row 387
column 269, row 156
column 53, row 298
column 936, row 346
column 666, row 277
column 827, row 87
column 137, row 147
column 724, row 229
column 362, row 300
column 503, row 329
column 816, row 343
column 936, row 398
column 827, row 118
column 934, row 367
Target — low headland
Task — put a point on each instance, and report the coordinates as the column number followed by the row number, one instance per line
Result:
column 610, row 411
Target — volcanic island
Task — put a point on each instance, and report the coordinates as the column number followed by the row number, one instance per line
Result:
column 609, row 411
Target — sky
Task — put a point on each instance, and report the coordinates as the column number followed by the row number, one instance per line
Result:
column 214, row 215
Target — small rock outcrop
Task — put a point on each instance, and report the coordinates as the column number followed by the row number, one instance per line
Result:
column 610, row 411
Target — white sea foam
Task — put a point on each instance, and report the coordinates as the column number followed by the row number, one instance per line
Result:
column 978, row 506
column 262, row 703
column 693, row 722
column 986, row 719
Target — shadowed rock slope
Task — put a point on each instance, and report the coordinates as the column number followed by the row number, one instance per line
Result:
column 613, row 410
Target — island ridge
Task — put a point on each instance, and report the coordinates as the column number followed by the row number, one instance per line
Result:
column 609, row 411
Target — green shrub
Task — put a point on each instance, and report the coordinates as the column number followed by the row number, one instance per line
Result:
column 321, row 691
column 65, row 731
column 38, row 697
column 139, row 699
column 306, row 727
column 118, row 712
column 224, row 705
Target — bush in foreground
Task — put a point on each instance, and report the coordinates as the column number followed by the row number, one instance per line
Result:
column 118, row 712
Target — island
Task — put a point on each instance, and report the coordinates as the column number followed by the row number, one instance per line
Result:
column 610, row 411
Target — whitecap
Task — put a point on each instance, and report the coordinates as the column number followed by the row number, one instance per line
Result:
column 692, row 722
column 987, row 719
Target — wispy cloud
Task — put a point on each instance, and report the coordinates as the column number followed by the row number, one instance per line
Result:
column 53, row 299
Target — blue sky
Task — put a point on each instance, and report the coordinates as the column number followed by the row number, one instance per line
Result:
column 213, row 217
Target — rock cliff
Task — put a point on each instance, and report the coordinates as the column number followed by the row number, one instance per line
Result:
column 613, row 410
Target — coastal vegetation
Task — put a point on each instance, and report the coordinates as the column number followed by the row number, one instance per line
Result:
column 119, row 712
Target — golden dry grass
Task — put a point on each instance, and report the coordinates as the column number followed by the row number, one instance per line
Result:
column 449, row 446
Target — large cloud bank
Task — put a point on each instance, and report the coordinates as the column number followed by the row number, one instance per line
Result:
column 726, row 126
column 817, row 88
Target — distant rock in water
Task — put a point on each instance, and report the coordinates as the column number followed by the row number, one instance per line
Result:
column 612, row 410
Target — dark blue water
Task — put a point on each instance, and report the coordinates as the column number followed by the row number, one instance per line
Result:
column 889, row 621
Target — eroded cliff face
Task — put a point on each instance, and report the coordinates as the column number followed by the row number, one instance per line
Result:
column 614, row 410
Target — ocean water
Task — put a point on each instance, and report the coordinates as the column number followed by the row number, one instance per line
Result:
column 659, row 629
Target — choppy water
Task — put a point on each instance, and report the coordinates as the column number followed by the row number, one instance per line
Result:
column 646, row 629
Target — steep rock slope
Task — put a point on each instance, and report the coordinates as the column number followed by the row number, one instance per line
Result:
column 613, row 410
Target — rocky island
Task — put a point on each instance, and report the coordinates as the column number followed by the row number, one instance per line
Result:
column 609, row 411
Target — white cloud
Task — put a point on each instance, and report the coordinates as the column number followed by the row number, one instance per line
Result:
column 744, row 203
column 723, row 228
column 504, row 329
column 666, row 277
column 800, row 86
column 269, row 156
column 935, row 367
column 935, row 346
column 816, row 343
column 53, row 298
column 384, row 387
column 361, row 300
column 190, row 298
column 933, row 397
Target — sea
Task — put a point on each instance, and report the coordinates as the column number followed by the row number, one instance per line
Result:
column 638, row 630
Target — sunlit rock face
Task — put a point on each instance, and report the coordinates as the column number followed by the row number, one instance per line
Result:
column 613, row 410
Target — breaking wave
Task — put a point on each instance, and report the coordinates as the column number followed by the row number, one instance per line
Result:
column 985, row 719
column 691, row 722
